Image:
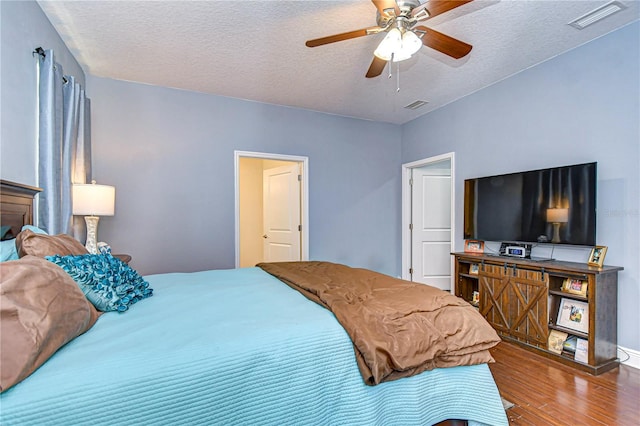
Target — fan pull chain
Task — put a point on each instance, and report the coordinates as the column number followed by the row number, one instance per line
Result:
column 397, row 74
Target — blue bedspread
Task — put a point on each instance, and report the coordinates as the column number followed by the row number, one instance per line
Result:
column 233, row 347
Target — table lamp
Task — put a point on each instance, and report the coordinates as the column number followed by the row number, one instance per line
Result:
column 92, row 201
column 556, row 217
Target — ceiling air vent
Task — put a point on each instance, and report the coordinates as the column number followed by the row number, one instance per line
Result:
column 597, row 14
column 416, row 104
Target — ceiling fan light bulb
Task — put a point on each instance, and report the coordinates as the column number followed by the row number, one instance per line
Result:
column 390, row 45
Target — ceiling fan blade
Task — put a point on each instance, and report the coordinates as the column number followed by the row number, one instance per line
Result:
column 437, row 7
column 443, row 43
column 386, row 4
column 376, row 67
column 342, row 36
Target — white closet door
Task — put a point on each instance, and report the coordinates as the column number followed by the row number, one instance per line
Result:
column 281, row 192
column 431, row 219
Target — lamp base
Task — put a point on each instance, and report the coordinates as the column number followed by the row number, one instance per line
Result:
column 92, row 234
column 556, row 233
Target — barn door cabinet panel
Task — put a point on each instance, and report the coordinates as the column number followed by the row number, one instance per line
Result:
column 514, row 301
column 522, row 300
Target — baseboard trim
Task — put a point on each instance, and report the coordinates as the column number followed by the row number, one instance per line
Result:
column 629, row 357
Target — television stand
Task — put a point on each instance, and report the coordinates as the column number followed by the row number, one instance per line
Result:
column 524, row 300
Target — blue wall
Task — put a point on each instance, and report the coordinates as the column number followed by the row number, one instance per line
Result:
column 579, row 107
column 170, row 155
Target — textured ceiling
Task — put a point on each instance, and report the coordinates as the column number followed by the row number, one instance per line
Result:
column 255, row 49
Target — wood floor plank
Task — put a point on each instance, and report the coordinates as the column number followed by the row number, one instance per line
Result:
column 546, row 392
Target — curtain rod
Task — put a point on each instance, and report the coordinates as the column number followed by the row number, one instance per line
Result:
column 40, row 52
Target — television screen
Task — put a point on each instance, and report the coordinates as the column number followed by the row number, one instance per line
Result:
column 555, row 205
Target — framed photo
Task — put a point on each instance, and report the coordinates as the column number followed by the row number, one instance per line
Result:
column 596, row 258
column 473, row 246
column 575, row 286
column 473, row 268
column 574, row 315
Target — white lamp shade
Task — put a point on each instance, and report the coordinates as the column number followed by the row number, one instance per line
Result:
column 93, row 200
column 557, row 215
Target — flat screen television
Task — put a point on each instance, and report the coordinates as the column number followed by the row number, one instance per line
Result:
column 555, row 205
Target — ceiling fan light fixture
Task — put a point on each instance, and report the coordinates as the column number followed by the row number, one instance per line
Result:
column 389, row 45
column 398, row 46
column 410, row 44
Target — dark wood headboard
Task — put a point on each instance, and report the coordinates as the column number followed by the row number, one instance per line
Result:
column 16, row 207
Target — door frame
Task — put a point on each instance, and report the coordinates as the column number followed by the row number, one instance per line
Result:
column 406, row 208
column 304, row 199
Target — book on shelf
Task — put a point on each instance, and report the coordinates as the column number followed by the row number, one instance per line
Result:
column 556, row 341
column 582, row 350
column 569, row 345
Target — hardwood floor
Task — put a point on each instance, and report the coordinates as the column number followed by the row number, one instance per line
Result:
column 546, row 392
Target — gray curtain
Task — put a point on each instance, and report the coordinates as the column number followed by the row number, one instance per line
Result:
column 64, row 146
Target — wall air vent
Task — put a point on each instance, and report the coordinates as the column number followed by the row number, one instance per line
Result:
column 597, row 14
column 416, row 104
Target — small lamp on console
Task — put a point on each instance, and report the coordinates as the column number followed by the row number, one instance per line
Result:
column 91, row 201
column 556, row 217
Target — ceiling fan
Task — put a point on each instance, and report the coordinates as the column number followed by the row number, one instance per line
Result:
column 399, row 19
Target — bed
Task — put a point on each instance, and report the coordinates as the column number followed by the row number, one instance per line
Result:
column 233, row 347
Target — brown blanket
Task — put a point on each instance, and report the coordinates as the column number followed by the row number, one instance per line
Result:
column 398, row 328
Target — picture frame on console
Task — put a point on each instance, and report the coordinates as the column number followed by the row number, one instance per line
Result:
column 575, row 286
column 473, row 246
column 596, row 258
column 574, row 315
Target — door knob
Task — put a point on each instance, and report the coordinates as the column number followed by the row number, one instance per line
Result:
column 265, row 236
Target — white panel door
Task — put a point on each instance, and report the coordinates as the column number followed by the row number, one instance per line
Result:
column 281, row 214
column 431, row 224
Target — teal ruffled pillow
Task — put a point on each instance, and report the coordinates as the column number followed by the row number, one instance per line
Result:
column 108, row 283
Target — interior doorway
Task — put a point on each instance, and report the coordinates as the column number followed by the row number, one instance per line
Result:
column 428, row 225
column 271, row 208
